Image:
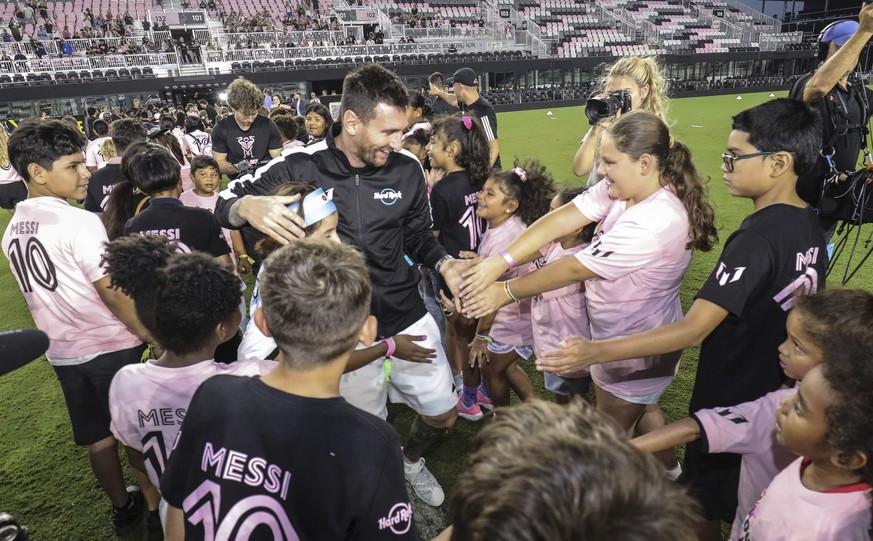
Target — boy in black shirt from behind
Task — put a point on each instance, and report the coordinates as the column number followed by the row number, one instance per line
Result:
column 739, row 314
column 124, row 133
column 284, row 456
column 155, row 172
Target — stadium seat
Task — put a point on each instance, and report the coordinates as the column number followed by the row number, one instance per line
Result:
column 124, row 73
column 60, row 77
column 5, row 79
column 46, row 79
column 148, row 73
column 97, row 75
column 111, row 75
column 85, row 76
column 136, row 73
column 19, row 80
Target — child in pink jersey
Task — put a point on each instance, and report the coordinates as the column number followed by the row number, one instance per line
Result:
column 509, row 201
column 206, row 177
column 558, row 314
column 816, row 325
column 189, row 304
column 54, row 252
column 652, row 210
column 825, row 495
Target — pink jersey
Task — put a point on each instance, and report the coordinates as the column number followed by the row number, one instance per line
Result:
column 788, row 511
column 8, row 175
column 749, row 430
column 559, row 314
column 191, row 199
column 148, row 403
column 54, row 251
column 94, row 153
column 512, row 323
column 640, row 258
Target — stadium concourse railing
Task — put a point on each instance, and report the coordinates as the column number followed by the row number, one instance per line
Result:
column 51, row 65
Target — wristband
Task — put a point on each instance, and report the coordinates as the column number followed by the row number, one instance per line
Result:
column 441, row 262
column 508, row 258
column 508, row 292
column 392, row 347
column 247, row 258
column 484, row 337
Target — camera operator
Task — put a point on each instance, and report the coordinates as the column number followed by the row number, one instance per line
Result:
column 844, row 103
column 641, row 80
column 245, row 139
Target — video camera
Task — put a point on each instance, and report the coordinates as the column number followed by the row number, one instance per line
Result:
column 10, row 530
column 599, row 108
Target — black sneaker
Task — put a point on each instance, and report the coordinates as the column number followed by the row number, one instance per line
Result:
column 125, row 519
column 154, row 526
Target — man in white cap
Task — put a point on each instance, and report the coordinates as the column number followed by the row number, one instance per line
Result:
column 844, row 103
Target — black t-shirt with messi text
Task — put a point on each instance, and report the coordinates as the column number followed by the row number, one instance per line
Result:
column 453, row 202
column 777, row 253
column 100, row 186
column 192, row 228
column 251, row 458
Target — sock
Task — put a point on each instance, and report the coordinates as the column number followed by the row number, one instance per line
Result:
column 458, row 380
column 468, row 396
column 674, row 473
column 421, row 437
column 484, row 389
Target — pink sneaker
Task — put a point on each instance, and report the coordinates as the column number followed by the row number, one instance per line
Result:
column 484, row 401
column 471, row 413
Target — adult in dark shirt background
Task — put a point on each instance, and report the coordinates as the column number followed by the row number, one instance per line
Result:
column 246, row 138
column 439, row 106
column 844, row 104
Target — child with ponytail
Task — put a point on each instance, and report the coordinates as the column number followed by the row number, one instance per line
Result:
column 458, row 147
column 189, row 304
column 652, row 210
column 509, row 201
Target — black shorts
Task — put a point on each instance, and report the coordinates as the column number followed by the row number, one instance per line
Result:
column 11, row 194
column 713, row 480
column 86, row 392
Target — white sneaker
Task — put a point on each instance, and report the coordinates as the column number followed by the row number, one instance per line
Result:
column 424, row 483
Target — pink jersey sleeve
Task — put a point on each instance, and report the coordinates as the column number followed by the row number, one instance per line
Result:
column 88, row 245
column 595, row 202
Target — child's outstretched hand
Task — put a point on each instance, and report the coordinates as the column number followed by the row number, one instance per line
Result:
column 408, row 350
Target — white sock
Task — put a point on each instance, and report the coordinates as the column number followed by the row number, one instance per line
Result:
column 458, row 380
column 674, row 473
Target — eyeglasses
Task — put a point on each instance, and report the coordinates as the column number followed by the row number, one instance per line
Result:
column 729, row 159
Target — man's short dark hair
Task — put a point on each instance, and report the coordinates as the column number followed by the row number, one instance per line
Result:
column 151, row 168
column 126, row 132
column 43, row 143
column 437, row 80
column 315, row 294
column 784, row 125
column 545, row 471
column 100, row 127
column 370, row 85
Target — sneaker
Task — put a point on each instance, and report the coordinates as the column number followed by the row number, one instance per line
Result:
column 154, row 526
column 424, row 483
column 125, row 519
column 483, row 399
column 470, row 413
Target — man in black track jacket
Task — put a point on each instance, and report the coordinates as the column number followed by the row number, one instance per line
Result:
column 381, row 195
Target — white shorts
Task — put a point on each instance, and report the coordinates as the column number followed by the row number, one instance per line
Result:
column 426, row 388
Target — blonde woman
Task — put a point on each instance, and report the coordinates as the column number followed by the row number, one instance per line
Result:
column 642, row 79
column 12, row 187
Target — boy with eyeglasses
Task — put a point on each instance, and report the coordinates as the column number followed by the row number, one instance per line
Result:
column 738, row 316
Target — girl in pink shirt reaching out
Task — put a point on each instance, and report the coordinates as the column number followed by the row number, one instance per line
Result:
column 652, row 211
column 509, row 201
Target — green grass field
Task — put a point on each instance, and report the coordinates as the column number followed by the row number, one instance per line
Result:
column 45, row 480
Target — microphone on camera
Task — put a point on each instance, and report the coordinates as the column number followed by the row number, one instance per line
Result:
column 17, row 348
